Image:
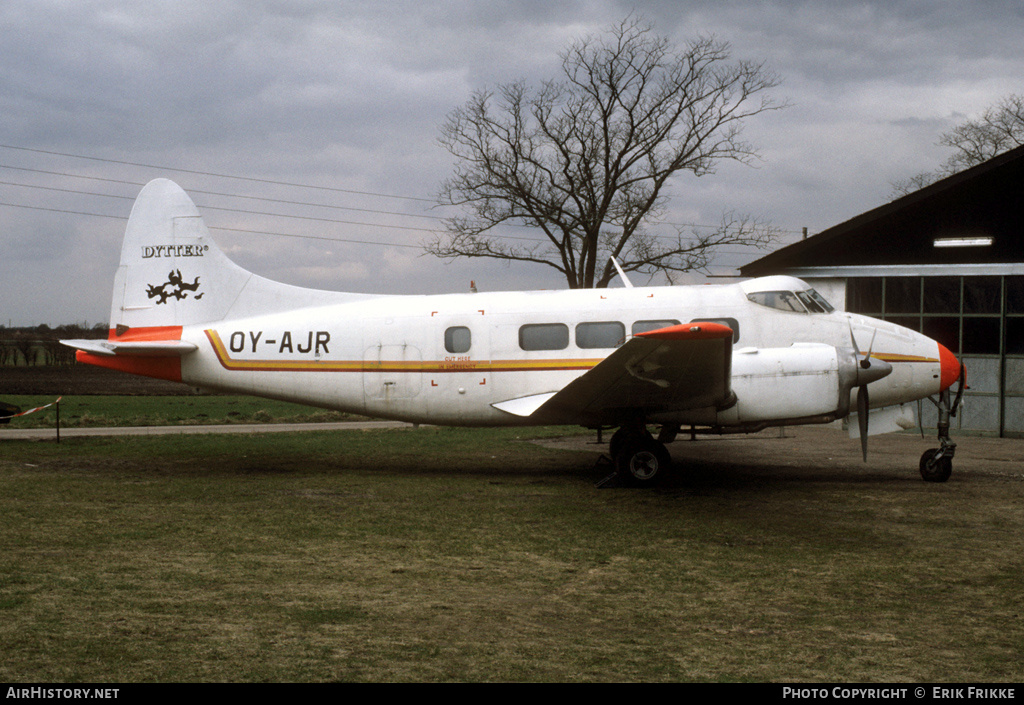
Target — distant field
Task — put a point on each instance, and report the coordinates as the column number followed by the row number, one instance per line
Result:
column 81, row 379
column 98, row 397
column 111, row 410
column 488, row 555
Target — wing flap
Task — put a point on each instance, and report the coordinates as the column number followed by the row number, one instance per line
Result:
column 523, row 406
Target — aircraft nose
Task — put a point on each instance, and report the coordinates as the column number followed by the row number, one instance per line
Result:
column 950, row 367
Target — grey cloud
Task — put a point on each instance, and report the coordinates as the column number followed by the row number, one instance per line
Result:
column 350, row 94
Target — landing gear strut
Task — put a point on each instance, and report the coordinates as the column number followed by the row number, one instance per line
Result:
column 640, row 460
column 937, row 463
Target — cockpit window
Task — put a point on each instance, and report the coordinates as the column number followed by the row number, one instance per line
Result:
column 781, row 300
column 813, row 301
column 807, row 301
column 825, row 306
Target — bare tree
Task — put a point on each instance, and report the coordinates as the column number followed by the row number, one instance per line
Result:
column 585, row 159
column 999, row 129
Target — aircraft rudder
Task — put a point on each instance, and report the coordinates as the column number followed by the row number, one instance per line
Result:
column 171, row 270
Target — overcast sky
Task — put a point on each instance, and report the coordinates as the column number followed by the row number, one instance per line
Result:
column 350, row 95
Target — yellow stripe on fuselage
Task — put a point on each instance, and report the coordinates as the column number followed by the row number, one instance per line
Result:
column 439, row 366
column 434, row 366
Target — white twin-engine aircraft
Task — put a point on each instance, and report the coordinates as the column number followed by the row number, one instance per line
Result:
column 720, row 359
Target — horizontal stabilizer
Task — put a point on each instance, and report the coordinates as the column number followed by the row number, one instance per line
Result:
column 137, row 348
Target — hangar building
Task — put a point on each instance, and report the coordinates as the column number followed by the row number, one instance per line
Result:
column 947, row 260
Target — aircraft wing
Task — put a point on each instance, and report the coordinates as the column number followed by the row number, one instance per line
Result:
column 677, row 368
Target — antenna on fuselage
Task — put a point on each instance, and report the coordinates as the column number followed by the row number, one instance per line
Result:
column 622, row 275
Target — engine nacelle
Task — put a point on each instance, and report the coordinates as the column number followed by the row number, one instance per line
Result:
column 806, row 381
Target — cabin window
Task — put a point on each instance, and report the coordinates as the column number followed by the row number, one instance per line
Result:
column 648, row 326
column 605, row 334
column 544, row 336
column 458, row 339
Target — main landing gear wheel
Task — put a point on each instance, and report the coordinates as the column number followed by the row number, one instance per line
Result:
column 937, row 464
column 936, row 467
column 643, row 462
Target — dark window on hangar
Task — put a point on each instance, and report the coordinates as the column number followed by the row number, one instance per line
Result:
column 903, row 295
column 1015, row 336
column 981, row 336
column 982, row 295
column 1015, row 294
column 864, row 295
column 942, row 294
column 973, row 315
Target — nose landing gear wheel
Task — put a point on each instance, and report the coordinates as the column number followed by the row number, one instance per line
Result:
column 937, row 464
column 936, row 467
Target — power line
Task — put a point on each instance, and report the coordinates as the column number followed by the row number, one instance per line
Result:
column 223, row 208
column 294, row 235
column 273, row 182
column 199, row 191
column 213, row 227
column 61, row 210
column 268, row 214
column 217, row 175
column 316, row 237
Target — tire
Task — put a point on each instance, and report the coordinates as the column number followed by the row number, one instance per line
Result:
column 643, row 463
column 933, row 470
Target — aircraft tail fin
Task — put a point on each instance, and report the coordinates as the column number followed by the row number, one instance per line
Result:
column 172, row 273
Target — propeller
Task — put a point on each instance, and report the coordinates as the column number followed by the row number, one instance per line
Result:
column 866, row 372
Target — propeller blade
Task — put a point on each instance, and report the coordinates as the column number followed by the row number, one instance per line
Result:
column 866, row 362
column 862, row 419
column 867, row 370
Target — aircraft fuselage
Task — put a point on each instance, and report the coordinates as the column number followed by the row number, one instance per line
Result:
column 447, row 358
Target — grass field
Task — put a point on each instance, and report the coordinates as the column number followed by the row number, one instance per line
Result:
column 486, row 555
column 131, row 410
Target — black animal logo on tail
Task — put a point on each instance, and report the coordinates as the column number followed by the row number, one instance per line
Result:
column 178, row 288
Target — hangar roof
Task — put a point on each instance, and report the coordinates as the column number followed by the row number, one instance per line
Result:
column 985, row 201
